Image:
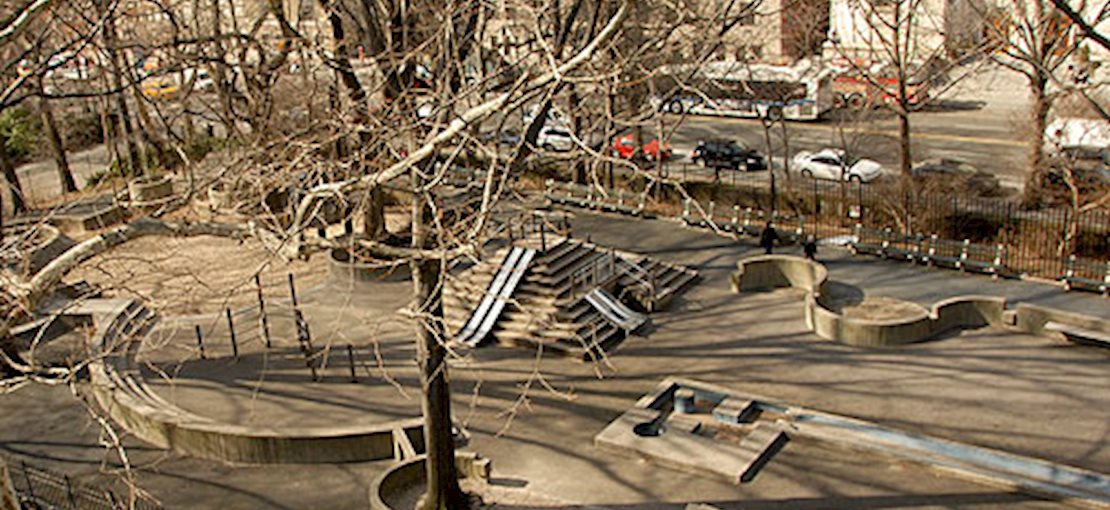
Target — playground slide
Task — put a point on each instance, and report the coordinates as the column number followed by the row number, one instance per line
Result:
column 492, row 292
column 614, row 311
column 503, row 296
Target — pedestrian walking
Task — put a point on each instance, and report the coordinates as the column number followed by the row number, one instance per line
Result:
column 768, row 237
column 809, row 247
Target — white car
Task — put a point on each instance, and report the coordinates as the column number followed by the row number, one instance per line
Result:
column 555, row 118
column 555, row 139
column 833, row 164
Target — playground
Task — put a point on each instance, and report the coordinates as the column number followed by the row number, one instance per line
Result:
column 316, row 395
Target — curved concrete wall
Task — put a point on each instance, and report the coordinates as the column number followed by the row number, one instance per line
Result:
column 46, row 245
column 774, row 271
column 119, row 389
column 410, row 473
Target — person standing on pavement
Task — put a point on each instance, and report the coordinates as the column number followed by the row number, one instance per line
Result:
column 768, row 237
column 809, row 247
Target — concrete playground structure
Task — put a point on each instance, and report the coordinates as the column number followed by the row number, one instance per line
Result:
column 122, row 391
column 680, row 424
column 953, row 314
column 757, row 409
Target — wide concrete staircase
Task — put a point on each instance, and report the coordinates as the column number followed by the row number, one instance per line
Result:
column 548, row 310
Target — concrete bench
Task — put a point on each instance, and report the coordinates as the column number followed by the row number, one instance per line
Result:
column 1079, row 335
column 1087, row 275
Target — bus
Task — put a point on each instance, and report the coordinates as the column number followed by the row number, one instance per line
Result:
column 739, row 89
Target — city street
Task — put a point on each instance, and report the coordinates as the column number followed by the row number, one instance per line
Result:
column 977, row 122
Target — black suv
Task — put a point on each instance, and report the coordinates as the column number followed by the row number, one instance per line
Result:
column 727, row 154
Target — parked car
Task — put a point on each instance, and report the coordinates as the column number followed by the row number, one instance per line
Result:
column 555, row 118
column 945, row 175
column 555, row 139
column 727, row 154
column 199, row 78
column 160, row 88
column 835, row 164
column 625, row 147
column 507, row 137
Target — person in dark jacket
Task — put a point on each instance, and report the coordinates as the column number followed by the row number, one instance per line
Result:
column 768, row 237
column 809, row 247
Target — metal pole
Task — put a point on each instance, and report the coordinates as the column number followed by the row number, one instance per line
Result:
column 69, row 492
column 200, row 341
column 351, row 362
column 292, row 290
column 27, row 477
column 262, row 321
column 543, row 237
column 231, row 330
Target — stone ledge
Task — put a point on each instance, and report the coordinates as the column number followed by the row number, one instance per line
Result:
column 767, row 272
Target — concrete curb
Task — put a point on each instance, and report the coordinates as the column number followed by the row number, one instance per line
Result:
column 766, row 272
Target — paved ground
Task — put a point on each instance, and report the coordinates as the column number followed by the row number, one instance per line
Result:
column 1024, row 394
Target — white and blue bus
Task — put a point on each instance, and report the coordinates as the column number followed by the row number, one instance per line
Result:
column 738, row 89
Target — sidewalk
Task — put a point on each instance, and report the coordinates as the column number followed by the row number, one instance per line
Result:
column 716, row 257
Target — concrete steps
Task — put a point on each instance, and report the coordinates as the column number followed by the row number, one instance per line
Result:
column 547, row 310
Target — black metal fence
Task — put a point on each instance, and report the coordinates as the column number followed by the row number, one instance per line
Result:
column 1041, row 242
column 43, row 489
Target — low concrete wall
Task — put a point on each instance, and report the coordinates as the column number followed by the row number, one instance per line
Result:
column 145, row 190
column 387, row 489
column 765, row 272
column 119, row 389
column 343, row 269
column 1032, row 319
column 46, row 244
column 773, row 271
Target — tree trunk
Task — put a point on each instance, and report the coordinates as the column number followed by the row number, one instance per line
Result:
column 65, row 176
column 373, row 220
column 904, row 151
column 443, row 492
column 8, row 167
column 1034, row 181
column 134, row 160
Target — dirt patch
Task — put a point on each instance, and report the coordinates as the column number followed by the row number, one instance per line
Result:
column 884, row 309
column 197, row 274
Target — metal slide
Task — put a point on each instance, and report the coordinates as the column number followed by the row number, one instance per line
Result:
column 614, row 311
column 492, row 292
column 503, row 296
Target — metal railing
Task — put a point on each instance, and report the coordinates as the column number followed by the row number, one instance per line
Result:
column 39, row 488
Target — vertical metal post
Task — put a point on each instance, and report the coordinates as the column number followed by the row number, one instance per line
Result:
column 27, row 477
column 351, row 362
column 69, row 492
column 231, row 331
column 292, row 290
column 543, row 237
column 263, row 322
column 200, row 341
